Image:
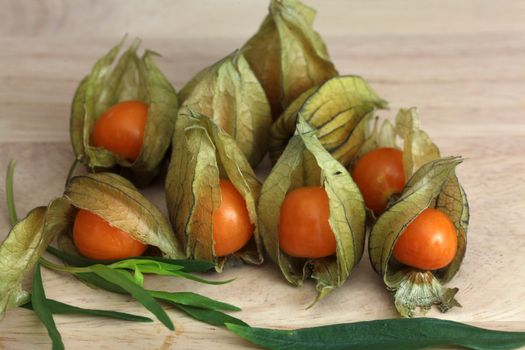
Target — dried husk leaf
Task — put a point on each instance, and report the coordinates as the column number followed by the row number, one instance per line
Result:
column 305, row 162
column 117, row 201
column 202, row 154
column 108, row 195
column 24, row 245
column 287, row 55
column 229, row 93
column 433, row 185
column 336, row 110
column 418, row 147
column 131, row 78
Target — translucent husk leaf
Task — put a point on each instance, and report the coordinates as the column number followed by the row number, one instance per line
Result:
column 108, row 195
column 384, row 136
column 287, row 55
column 24, row 245
column 117, row 201
column 336, row 110
column 202, row 154
column 229, row 93
column 418, row 148
column 131, row 78
column 433, row 185
column 305, row 162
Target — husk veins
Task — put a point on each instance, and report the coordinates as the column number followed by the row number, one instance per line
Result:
column 306, row 163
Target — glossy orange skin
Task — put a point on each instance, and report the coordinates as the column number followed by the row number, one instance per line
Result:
column 304, row 231
column 121, row 129
column 95, row 238
column 232, row 227
column 429, row 242
column 379, row 174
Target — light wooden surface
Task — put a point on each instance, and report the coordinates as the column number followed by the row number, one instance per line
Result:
column 460, row 62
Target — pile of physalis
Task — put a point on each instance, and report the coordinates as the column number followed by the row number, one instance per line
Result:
column 107, row 234
column 336, row 175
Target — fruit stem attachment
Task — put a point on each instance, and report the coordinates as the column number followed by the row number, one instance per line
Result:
column 420, row 289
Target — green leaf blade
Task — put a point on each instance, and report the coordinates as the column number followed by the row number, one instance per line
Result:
column 139, row 293
column 193, row 299
column 392, row 334
column 38, row 300
column 80, row 261
column 9, row 192
column 57, row 307
column 96, row 281
column 189, row 276
column 212, row 317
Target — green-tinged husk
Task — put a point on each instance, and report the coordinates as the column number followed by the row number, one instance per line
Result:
column 108, row 195
column 305, row 162
column 130, row 78
column 417, row 148
column 431, row 183
column 24, row 245
column 229, row 93
column 117, row 201
column 287, row 55
column 337, row 110
column 202, row 154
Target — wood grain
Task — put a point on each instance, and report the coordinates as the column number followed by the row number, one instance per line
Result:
column 461, row 63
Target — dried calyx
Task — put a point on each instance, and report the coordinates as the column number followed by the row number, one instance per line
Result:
column 229, row 94
column 287, row 55
column 130, row 78
column 203, row 154
column 432, row 183
column 305, row 162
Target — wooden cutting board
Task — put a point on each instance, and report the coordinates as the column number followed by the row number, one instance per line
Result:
column 461, row 63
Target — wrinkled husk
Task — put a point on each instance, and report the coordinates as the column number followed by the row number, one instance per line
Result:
column 433, row 185
column 305, row 162
column 336, row 110
column 24, row 245
column 131, row 78
column 108, row 195
column 287, row 55
column 117, row 201
column 229, row 93
column 202, row 154
column 417, row 148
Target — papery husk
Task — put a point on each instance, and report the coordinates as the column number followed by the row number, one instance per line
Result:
column 117, row 201
column 336, row 110
column 202, row 154
column 433, row 185
column 287, row 55
column 108, row 195
column 130, row 78
column 25, row 244
column 417, row 146
column 229, row 93
column 305, row 162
